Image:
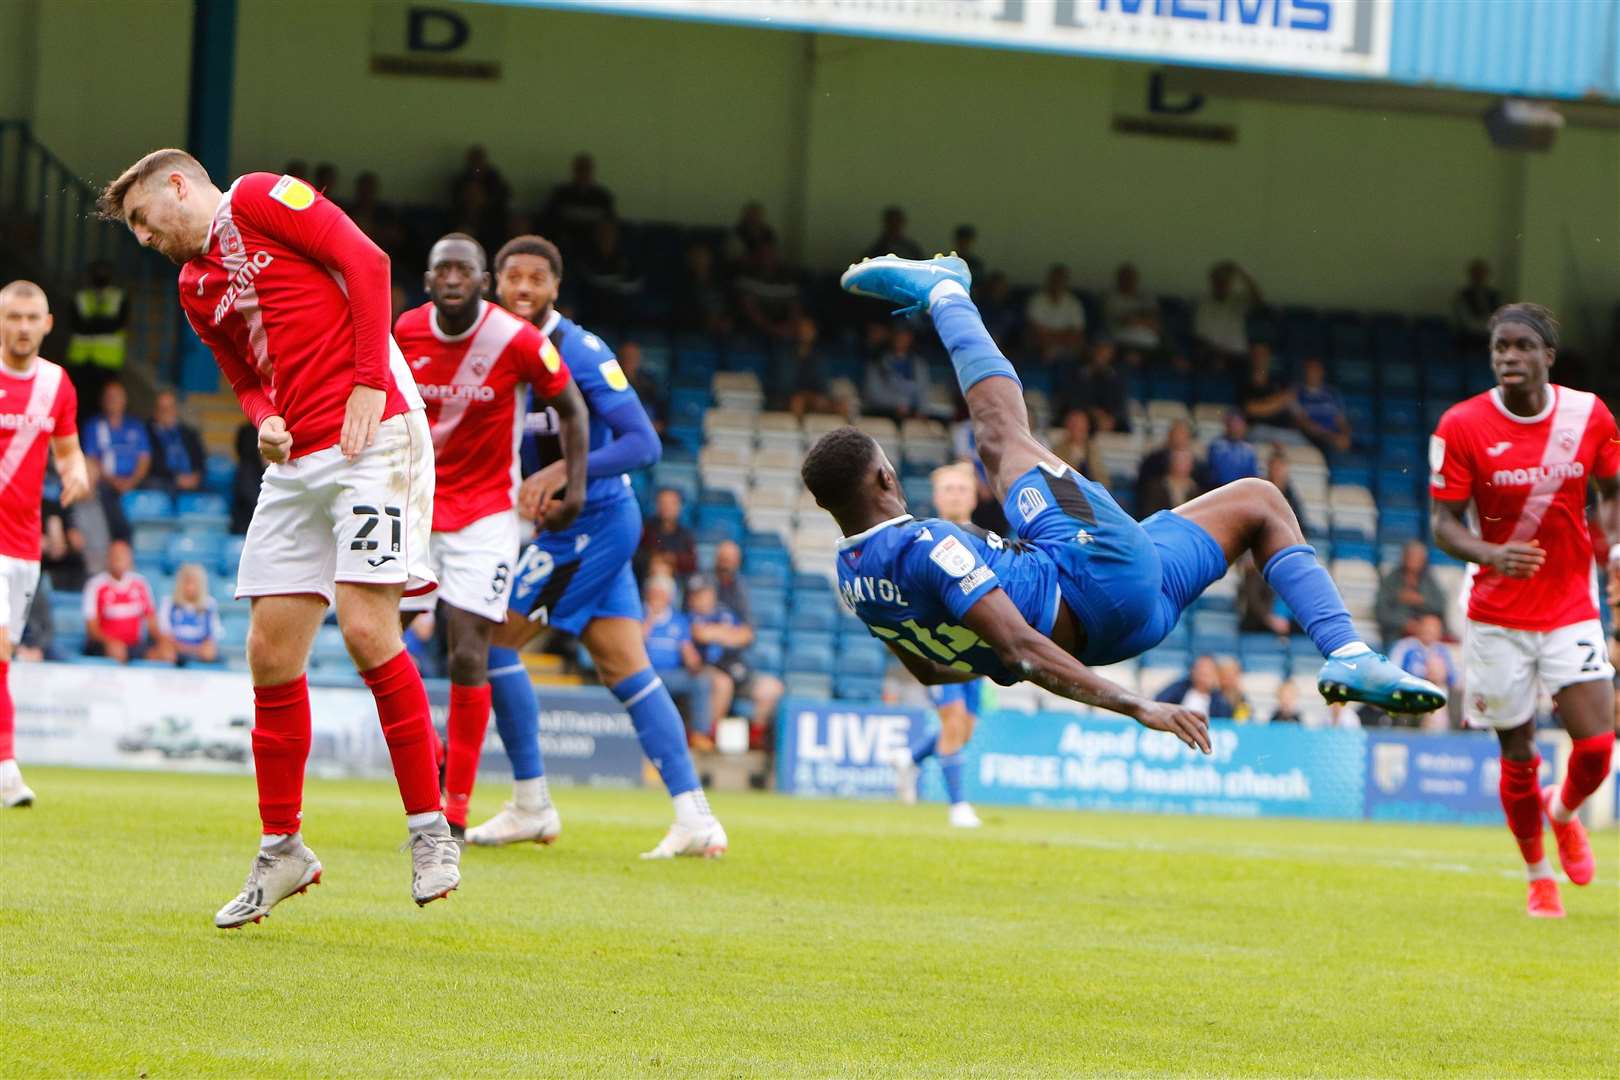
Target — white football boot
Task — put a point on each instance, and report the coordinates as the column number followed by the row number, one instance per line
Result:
column 906, row 775
column 435, row 862
column 13, row 792
column 963, row 817
column 278, row 872
column 706, row 838
column 515, row 825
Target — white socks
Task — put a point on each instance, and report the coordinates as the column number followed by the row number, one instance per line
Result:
column 1345, row 652
column 418, row 822
column 270, row 840
column 945, row 290
column 1557, row 810
column 533, row 794
column 692, row 808
column 1540, row 870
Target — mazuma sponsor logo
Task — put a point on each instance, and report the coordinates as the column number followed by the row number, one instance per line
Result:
column 1565, row 470
column 241, row 281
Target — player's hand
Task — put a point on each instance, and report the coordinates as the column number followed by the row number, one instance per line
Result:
column 1190, row 727
column 557, row 514
column 75, row 483
column 540, row 488
column 360, row 420
column 275, row 441
column 1518, row 558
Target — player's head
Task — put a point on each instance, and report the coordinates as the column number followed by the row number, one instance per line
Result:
column 457, row 274
column 1524, row 343
column 25, row 319
column 851, row 478
column 955, row 492
column 168, row 202
column 528, row 273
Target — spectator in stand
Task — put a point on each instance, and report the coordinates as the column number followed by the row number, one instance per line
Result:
column 100, row 338
column 1288, row 711
column 1178, row 485
column 750, row 233
column 1266, row 402
column 1055, row 321
column 1423, row 654
column 729, row 587
column 768, row 297
column 1075, row 447
column 1156, row 464
column 897, row 382
column 250, row 466
column 1131, row 314
column 1279, row 470
column 1319, row 410
column 1199, row 689
column 1231, row 457
column 892, row 240
column 1221, row 320
column 574, row 208
column 665, row 535
column 38, row 639
column 809, row 385
column 476, row 171
column 472, row 214
column 649, row 391
column 189, row 620
column 1408, row 591
column 177, row 448
column 120, row 617
column 119, row 454
column 297, row 167
column 376, row 218
column 1259, row 611
column 963, row 241
column 722, row 637
column 612, row 282
column 62, row 548
column 1100, row 389
column 675, row 657
column 1231, row 681
column 1001, row 316
column 325, row 180
column 702, row 305
column 1471, row 308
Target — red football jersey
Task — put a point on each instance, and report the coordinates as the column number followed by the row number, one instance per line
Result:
column 293, row 300
column 473, row 386
column 121, row 604
column 1527, row 478
column 34, row 409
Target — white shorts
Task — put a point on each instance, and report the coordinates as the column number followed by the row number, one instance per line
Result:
column 1506, row 668
column 322, row 519
column 474, row 567
column 18, row 580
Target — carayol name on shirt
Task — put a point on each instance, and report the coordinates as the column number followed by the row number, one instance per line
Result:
column 240, row 281
column 1563, row 470
column 27, row 422
column 868, row 588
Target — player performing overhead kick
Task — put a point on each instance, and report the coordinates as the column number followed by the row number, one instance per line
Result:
column 37, row 407
column 472, row 359
column 1082, row 584
column 579, row 579
column 1521, row 454
column 293, row 301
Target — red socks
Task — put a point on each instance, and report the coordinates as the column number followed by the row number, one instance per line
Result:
column 1521, row 801
column 469, row 720
column 8, row 716
column 1588, row 768
column 402, row 707
column 280, row 749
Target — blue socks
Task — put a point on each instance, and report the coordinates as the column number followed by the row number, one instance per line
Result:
column 658, row 725
column 973, row 353
column 951, row 766
column 925, row 749
column 517, row 713
column 1304, row 585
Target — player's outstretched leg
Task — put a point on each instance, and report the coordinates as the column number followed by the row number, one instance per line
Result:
column 530, row 817
column 1522, row 805
column 1252, row 516
column 995, row 397
column 1587, row 709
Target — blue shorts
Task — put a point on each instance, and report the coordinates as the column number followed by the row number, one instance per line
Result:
column 566, row 579
column 964, row 693
column 1126, row 582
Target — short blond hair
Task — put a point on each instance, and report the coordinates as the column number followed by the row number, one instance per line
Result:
column 955, row 468
column 110, row 204
column 23, row 290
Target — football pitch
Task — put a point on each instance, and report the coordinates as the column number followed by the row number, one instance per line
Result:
column 838, row 939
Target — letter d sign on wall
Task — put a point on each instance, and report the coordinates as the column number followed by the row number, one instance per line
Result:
column 436, row 40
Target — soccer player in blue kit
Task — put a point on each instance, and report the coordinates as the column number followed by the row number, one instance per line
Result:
column 579, row 580
column 1080, row 584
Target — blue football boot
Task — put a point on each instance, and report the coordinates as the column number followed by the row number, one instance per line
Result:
column 906, row 282
column 1369, row 677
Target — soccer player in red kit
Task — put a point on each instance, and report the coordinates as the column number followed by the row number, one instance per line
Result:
column 472, row 361
column 293, row 301
column 37, row 407
column 1522, row 455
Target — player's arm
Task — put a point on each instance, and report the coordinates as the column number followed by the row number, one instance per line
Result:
column 1023, row 649
column 71, row 468
column 926, row 671
column 1608, row 514
column 1452, row 466
column 274, row 441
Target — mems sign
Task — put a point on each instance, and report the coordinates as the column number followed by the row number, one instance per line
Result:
column 433, row 41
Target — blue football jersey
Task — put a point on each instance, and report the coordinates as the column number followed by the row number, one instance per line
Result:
column 911, row 581
column 603, row 383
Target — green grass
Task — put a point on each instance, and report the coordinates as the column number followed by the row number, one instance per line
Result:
column 838, row 939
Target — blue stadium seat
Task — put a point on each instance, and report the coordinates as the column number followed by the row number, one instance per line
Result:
column 1253, row 645
column 1400, row 378
column 1400, row 523
column 687, row 405
column 1361, row 411
column 230, row 555
column 808, row 655
column 765, row 656
column 1360, row 475
column 1266, row 664
column 1442, row 382
column 807, row 582
column 1164, row 657
column 1399, row 415
column 851, row 687
column 197, row 547
column 767, row 569
column 219, row 474
column 1355, row 548
column 141, row 507
column 1355, row 375
column 812, row 685
column 236, row 626
column 867, row 657
column 680, row 476
column 812, row 618
column 1213, row 388
column 202, row 508
column 720, row 522
column 329, row 650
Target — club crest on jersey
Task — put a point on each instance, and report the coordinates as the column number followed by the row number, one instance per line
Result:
column 1566, row 440
column 230, row 242
column 613, row 375
column 953, row 557
column 480, row 366
column 293, row 193
column 1031, row 502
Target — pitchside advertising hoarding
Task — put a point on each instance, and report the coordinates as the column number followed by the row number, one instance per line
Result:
column 1335, row 37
